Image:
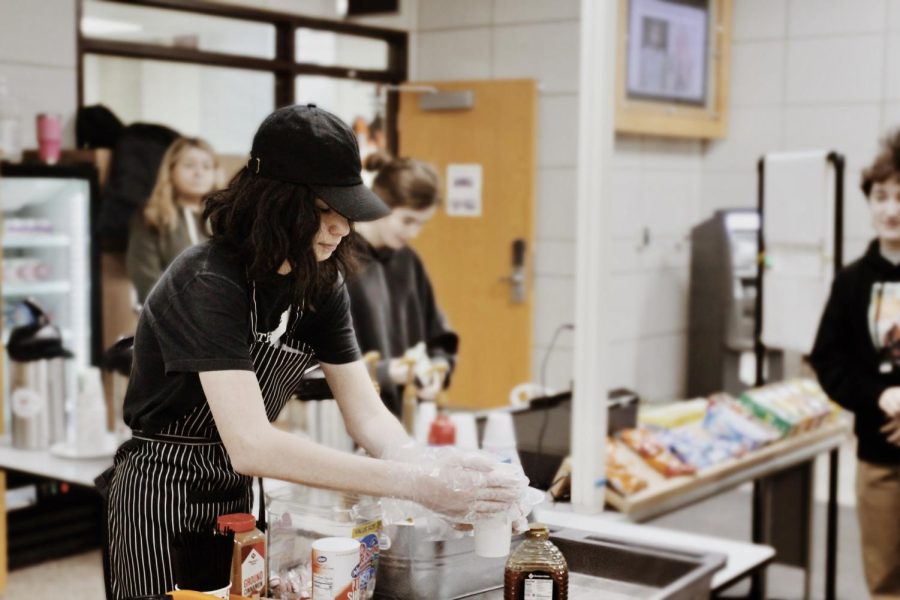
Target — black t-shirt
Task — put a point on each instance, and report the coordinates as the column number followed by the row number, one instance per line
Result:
column 197, row 318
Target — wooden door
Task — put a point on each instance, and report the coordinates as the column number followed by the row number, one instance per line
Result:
column 468, row 257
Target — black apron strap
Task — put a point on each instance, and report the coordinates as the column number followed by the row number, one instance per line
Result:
column 261, row 521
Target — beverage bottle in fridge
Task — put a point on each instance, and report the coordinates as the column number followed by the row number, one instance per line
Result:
column 536, row 570
column 10, row 126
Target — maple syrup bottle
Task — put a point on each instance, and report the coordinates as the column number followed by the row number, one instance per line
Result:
column 537, row 570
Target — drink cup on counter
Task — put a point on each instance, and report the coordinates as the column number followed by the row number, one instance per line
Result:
column 49, row 135
column 425, row 414
column 500, row 437
column 466, row 431
column 493, row 534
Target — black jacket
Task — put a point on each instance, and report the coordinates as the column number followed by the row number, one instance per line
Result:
column 393, row 309
column 853, row 368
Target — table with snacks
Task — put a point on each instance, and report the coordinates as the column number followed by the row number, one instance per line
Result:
column 684, row 452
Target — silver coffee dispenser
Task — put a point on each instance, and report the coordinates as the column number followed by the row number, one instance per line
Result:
column 721, row 318
column 37, row 382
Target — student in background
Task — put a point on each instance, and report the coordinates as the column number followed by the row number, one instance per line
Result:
column 857, row 359
column 171, row 220
column 391, row 298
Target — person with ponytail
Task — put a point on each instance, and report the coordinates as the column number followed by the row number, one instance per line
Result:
column 391, row 299
column 170, row 222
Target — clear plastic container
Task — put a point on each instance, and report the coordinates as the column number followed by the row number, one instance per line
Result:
column 298, row 516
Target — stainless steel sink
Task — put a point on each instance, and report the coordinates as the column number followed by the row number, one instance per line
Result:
column 597, row 565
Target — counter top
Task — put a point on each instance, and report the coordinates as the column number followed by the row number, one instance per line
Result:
column 741, row 557
column 81, row 471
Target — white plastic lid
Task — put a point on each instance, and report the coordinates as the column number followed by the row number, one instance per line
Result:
column 336, row 545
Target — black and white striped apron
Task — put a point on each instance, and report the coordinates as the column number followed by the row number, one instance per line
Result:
column 181, row 479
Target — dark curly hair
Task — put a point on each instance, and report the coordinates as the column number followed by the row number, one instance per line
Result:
column 265, row 222
column 885, row 166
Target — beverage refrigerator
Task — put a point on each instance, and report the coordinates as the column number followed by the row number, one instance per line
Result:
column 49, row 256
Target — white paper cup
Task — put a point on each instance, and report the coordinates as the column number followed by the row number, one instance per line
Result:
column 493, row 534
column 499, row 431
column 425, row 414
column 466, row 432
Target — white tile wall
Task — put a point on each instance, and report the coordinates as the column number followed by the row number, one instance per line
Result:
column 757, row 73
column 890, row 116
column 558, row 131
column 38, row 33
column 661, row 252
column 851, row 130
column 554, row 304
column 670, row 201
column 655, row 367
column 43, row 89
column 437, row 14
column 535, row 11
column 751, row 133
column 543, row 52
column 818, row 17
column 554, row 258
column 558, row 371
column 647, row 304
column 627, row 152
column 556, row 201
column 759, row 19
column 835, row 69
column 671, row 153
column 893, row 15
column 458, row 54
column 626, row 205
column 729, row 189
column 892, row 65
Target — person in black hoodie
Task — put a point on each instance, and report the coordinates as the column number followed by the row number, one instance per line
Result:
column 857, row 359
column 391, row 298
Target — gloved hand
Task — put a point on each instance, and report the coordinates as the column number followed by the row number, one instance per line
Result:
column 398, row 371
column 459, row 485
column 431, row 384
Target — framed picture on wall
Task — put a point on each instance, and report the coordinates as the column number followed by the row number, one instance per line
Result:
column 673, row 61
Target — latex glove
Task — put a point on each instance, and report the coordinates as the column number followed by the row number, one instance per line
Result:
column 459, row 485
column 398, row 371
column 892, row 431
column 889, row 401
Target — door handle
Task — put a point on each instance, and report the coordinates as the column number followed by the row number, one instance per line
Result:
column 516, row 278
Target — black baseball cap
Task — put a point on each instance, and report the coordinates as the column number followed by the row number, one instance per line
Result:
column 308, row 145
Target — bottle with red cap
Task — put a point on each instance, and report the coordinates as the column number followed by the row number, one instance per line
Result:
column 443, row 430
column 248, row 563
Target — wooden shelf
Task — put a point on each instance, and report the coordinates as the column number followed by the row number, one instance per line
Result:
column 664, row 494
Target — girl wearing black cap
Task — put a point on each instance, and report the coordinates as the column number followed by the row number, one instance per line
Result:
column 391, row 298
column 222, row 341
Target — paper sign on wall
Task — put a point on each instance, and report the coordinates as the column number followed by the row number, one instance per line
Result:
column 464, row 190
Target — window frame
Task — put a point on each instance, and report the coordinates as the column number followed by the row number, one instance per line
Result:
column 284, row 67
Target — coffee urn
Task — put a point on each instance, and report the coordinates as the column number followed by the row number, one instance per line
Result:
column 37, row 382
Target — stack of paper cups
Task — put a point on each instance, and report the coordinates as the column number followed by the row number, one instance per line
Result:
column 425, row 414
column 466, row 432
column 500, row 437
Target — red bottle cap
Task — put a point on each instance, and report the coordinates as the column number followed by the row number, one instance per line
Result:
column 442, row 432
column 236, row 522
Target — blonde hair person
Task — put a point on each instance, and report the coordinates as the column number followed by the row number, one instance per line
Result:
column 171, row 222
